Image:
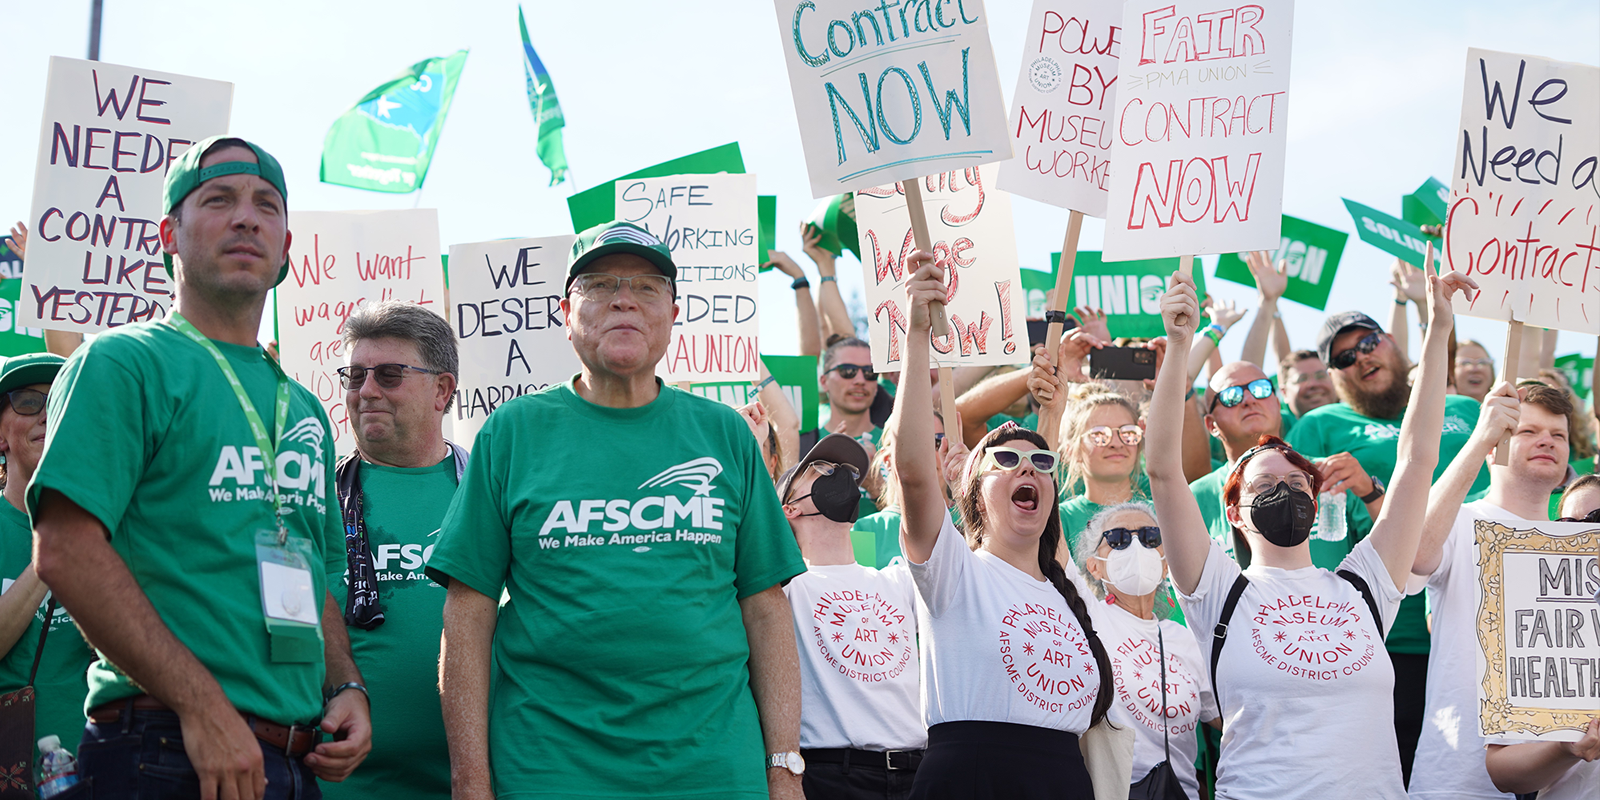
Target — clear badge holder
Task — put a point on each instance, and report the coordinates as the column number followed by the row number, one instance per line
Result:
column 289, row 601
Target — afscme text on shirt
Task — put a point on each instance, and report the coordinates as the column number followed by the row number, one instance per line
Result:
column 301, row 479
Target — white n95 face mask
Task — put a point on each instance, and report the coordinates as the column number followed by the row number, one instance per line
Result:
column 1134, row 570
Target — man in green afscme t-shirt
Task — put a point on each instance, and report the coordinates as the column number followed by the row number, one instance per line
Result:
column 645, row 647
column 184, row 515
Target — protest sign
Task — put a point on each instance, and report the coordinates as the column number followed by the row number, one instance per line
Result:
column 109, row 132
column 1579, row 371
column 973, row 238
column 340, row 261
column 1428, row 205
column 15, row 338
column 595, row 205
column 709, row 222
column 796, row 375
column 834, row 220
column 1538, row 628
column 1199, row 130
column 1523, row 217
column 1392, row 235
column 1312, row 254
column 887, row 94
column 1129, row 292
column 505, row 302
column 1061, row 111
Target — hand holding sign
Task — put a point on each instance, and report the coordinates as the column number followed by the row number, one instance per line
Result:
column 1499, row 416
column 1180, row 310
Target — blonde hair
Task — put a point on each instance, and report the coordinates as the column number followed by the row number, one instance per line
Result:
column 1081, row 403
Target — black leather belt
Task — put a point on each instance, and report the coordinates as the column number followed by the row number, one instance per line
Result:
column 878, row 759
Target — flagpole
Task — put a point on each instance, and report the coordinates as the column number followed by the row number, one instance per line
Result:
column 94, row 29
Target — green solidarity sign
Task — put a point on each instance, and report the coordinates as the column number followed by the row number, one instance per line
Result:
column 15, row 339
column 386, row 141
column 796, row 375
column 1579, row 371
column 1129, row 292
column 1428, row 205
column 1391, row 234
column 1312, row 253
column 835, row 218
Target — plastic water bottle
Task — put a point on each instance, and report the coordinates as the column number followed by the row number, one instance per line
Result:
column 58, row 770
column 1330, row 525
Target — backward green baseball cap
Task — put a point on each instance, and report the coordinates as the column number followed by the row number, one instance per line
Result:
column 185, row 176
column 619, row 237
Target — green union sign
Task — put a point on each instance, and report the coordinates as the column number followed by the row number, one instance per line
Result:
column 1312, row 254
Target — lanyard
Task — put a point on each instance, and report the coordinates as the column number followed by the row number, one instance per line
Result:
column 268, row 446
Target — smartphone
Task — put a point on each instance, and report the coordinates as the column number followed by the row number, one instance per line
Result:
column 1123, row 363
column 1037, row 328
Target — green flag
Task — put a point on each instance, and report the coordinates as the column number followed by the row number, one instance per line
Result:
column 1580, row 373
column 1312, row 253
column 386, row 141
column 1428, row 205
column 1391, row 234
column 15, row 340
column 1128, row 291
column 547, row 118
column 835, row 217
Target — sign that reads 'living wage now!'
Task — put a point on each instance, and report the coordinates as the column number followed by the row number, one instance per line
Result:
column 886, row 92
column 108, row 135
column 1061, row 111
column 970, row 225
column 1524, row 217
column 709, row 222
column 1200, row 130
column 1311, row 255
column 341, row 261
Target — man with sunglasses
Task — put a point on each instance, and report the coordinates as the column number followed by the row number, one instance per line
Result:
column 645, row 647
column 850, row 387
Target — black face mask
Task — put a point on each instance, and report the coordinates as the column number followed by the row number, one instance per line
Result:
column 836, row 496
column 1284, row 516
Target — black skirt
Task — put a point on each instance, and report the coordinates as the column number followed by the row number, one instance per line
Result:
column 1001, row 761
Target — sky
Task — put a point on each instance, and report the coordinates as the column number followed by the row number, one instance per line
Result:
column 1375, row 96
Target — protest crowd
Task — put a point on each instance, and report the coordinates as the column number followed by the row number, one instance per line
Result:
column 1110, row 565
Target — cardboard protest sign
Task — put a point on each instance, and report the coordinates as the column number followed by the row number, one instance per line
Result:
column 1538, row 628
column 595, row 205
column 505, row 300
column 1428, row 205
column 1312, row 253
column 15, row 338
column 970, row 225
column 885, row 94
column 1392, row 235
column 710, row 224
column 1129, row 292
column 1061, row 112
column 108, row 134
column 1199, row 131
column 1525, row 201
column 340, row 261
column 1579, row 371
column 796, row 375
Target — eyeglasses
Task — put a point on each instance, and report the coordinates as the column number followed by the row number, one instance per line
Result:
column 848, row 371
column 27, row 402
column 1592, row 516
column 1298, row 481
column 1120, row 538
column 1474, row 362
column 1260, row 389
column 1345, row 358
column 648, row 288
column 826, row 468
column 388, row 375
column 1010, row 458
column 1301, row 377
column 1100, row 435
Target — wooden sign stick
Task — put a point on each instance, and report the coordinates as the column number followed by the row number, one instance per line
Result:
column 1058, row 306
column 1508, row 373
column 1186, row 268
column 919, row 234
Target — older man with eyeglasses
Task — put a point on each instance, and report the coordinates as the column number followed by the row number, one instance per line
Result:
column 645, row 647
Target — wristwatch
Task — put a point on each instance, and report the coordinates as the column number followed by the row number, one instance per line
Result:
column 329, row 694
column 1377, row 490
column 790, row 761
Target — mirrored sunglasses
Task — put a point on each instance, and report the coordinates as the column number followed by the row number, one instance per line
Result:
column 1260, row 389
column 1345, row 358
column 1100, row 435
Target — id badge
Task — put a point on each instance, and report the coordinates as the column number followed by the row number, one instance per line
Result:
column 288, row 597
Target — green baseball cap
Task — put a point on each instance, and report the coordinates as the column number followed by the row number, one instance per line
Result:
column 618, row 237
column 26, row 370
column 185, row 176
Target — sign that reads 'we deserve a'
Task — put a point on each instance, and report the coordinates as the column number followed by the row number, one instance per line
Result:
column 1199, row 133
column 886, row 92
column 108, row 135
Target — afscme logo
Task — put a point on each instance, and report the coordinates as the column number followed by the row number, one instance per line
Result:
column 309, row 432
column 701, row 511
column 295, row 469
column 697, row 473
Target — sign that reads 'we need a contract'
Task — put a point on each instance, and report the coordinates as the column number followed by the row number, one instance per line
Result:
column 1199, row 133
column 887, row 91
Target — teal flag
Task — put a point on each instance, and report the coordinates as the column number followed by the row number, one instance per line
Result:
column 1392, row 235
column 1428, row 205
column 547, row 118
column 1312, row 253
column 386, row 142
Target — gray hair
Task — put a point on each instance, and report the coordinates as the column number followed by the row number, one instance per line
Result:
column 408, row 322
column 1089, row 542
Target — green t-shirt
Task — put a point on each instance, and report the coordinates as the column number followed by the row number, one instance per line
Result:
column 625, row 538
column 399, row 659
column 1337, row 428
column 146, row 436
column 1324, row 553
column 876, row 538
column 60, row 687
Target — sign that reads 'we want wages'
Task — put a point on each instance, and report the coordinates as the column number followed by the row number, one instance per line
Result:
column 109, row 132
column 1199, row 132
column 889, row 91
column 1525, row 199
column 973, row 239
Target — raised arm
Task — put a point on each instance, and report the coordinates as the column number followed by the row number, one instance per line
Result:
column 1281, row 348
column 1183, row 530
column 783, row 418
column 835, row 317
column 1223, row 317
column 992, row 395
column 1498, row 417
column 805, row 311
column 1271, row 282
column 1196, row 440
column 915, row 461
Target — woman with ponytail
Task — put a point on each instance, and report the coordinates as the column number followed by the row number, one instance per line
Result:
column 1012, row 671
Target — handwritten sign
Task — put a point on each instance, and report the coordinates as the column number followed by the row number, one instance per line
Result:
column 1199, row 132
column 795, row 375
column 710, row 224
column 1538, row 628
column 1311, row 253
column 1129, row 292
column 505, row 301
column 1524, row 218
column 15, row 338
column 1061, row 111
column 109, row 132
column 889, row 92
column 970, row 225
column 340, row 261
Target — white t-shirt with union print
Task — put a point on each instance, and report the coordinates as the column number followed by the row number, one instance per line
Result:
column 856, row 628
column 997, row 645
column 1305, row 684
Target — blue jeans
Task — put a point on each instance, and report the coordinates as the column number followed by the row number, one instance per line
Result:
column 141, row 757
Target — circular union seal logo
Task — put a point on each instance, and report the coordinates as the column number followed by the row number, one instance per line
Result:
column 1044, row 74
column 1313, row 637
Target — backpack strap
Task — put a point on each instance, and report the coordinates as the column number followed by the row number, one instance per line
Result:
column 1366, row 594
column 44, row 633
column 1219, row 635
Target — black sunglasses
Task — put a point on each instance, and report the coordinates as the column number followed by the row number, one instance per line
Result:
column 388, row 375
column 27, row 402
column 1120, row 538
column 1345, row 358
column 848, row 371
column 1260, row 389
column 1592, row 516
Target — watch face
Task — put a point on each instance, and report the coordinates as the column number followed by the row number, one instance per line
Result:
column 794, row 762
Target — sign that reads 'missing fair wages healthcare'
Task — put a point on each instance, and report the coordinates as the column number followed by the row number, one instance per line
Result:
column 1199, row 133
column 109, row 132
column 890, row 91
column 709, row 222
column 1525, row 200
column 973, row 239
